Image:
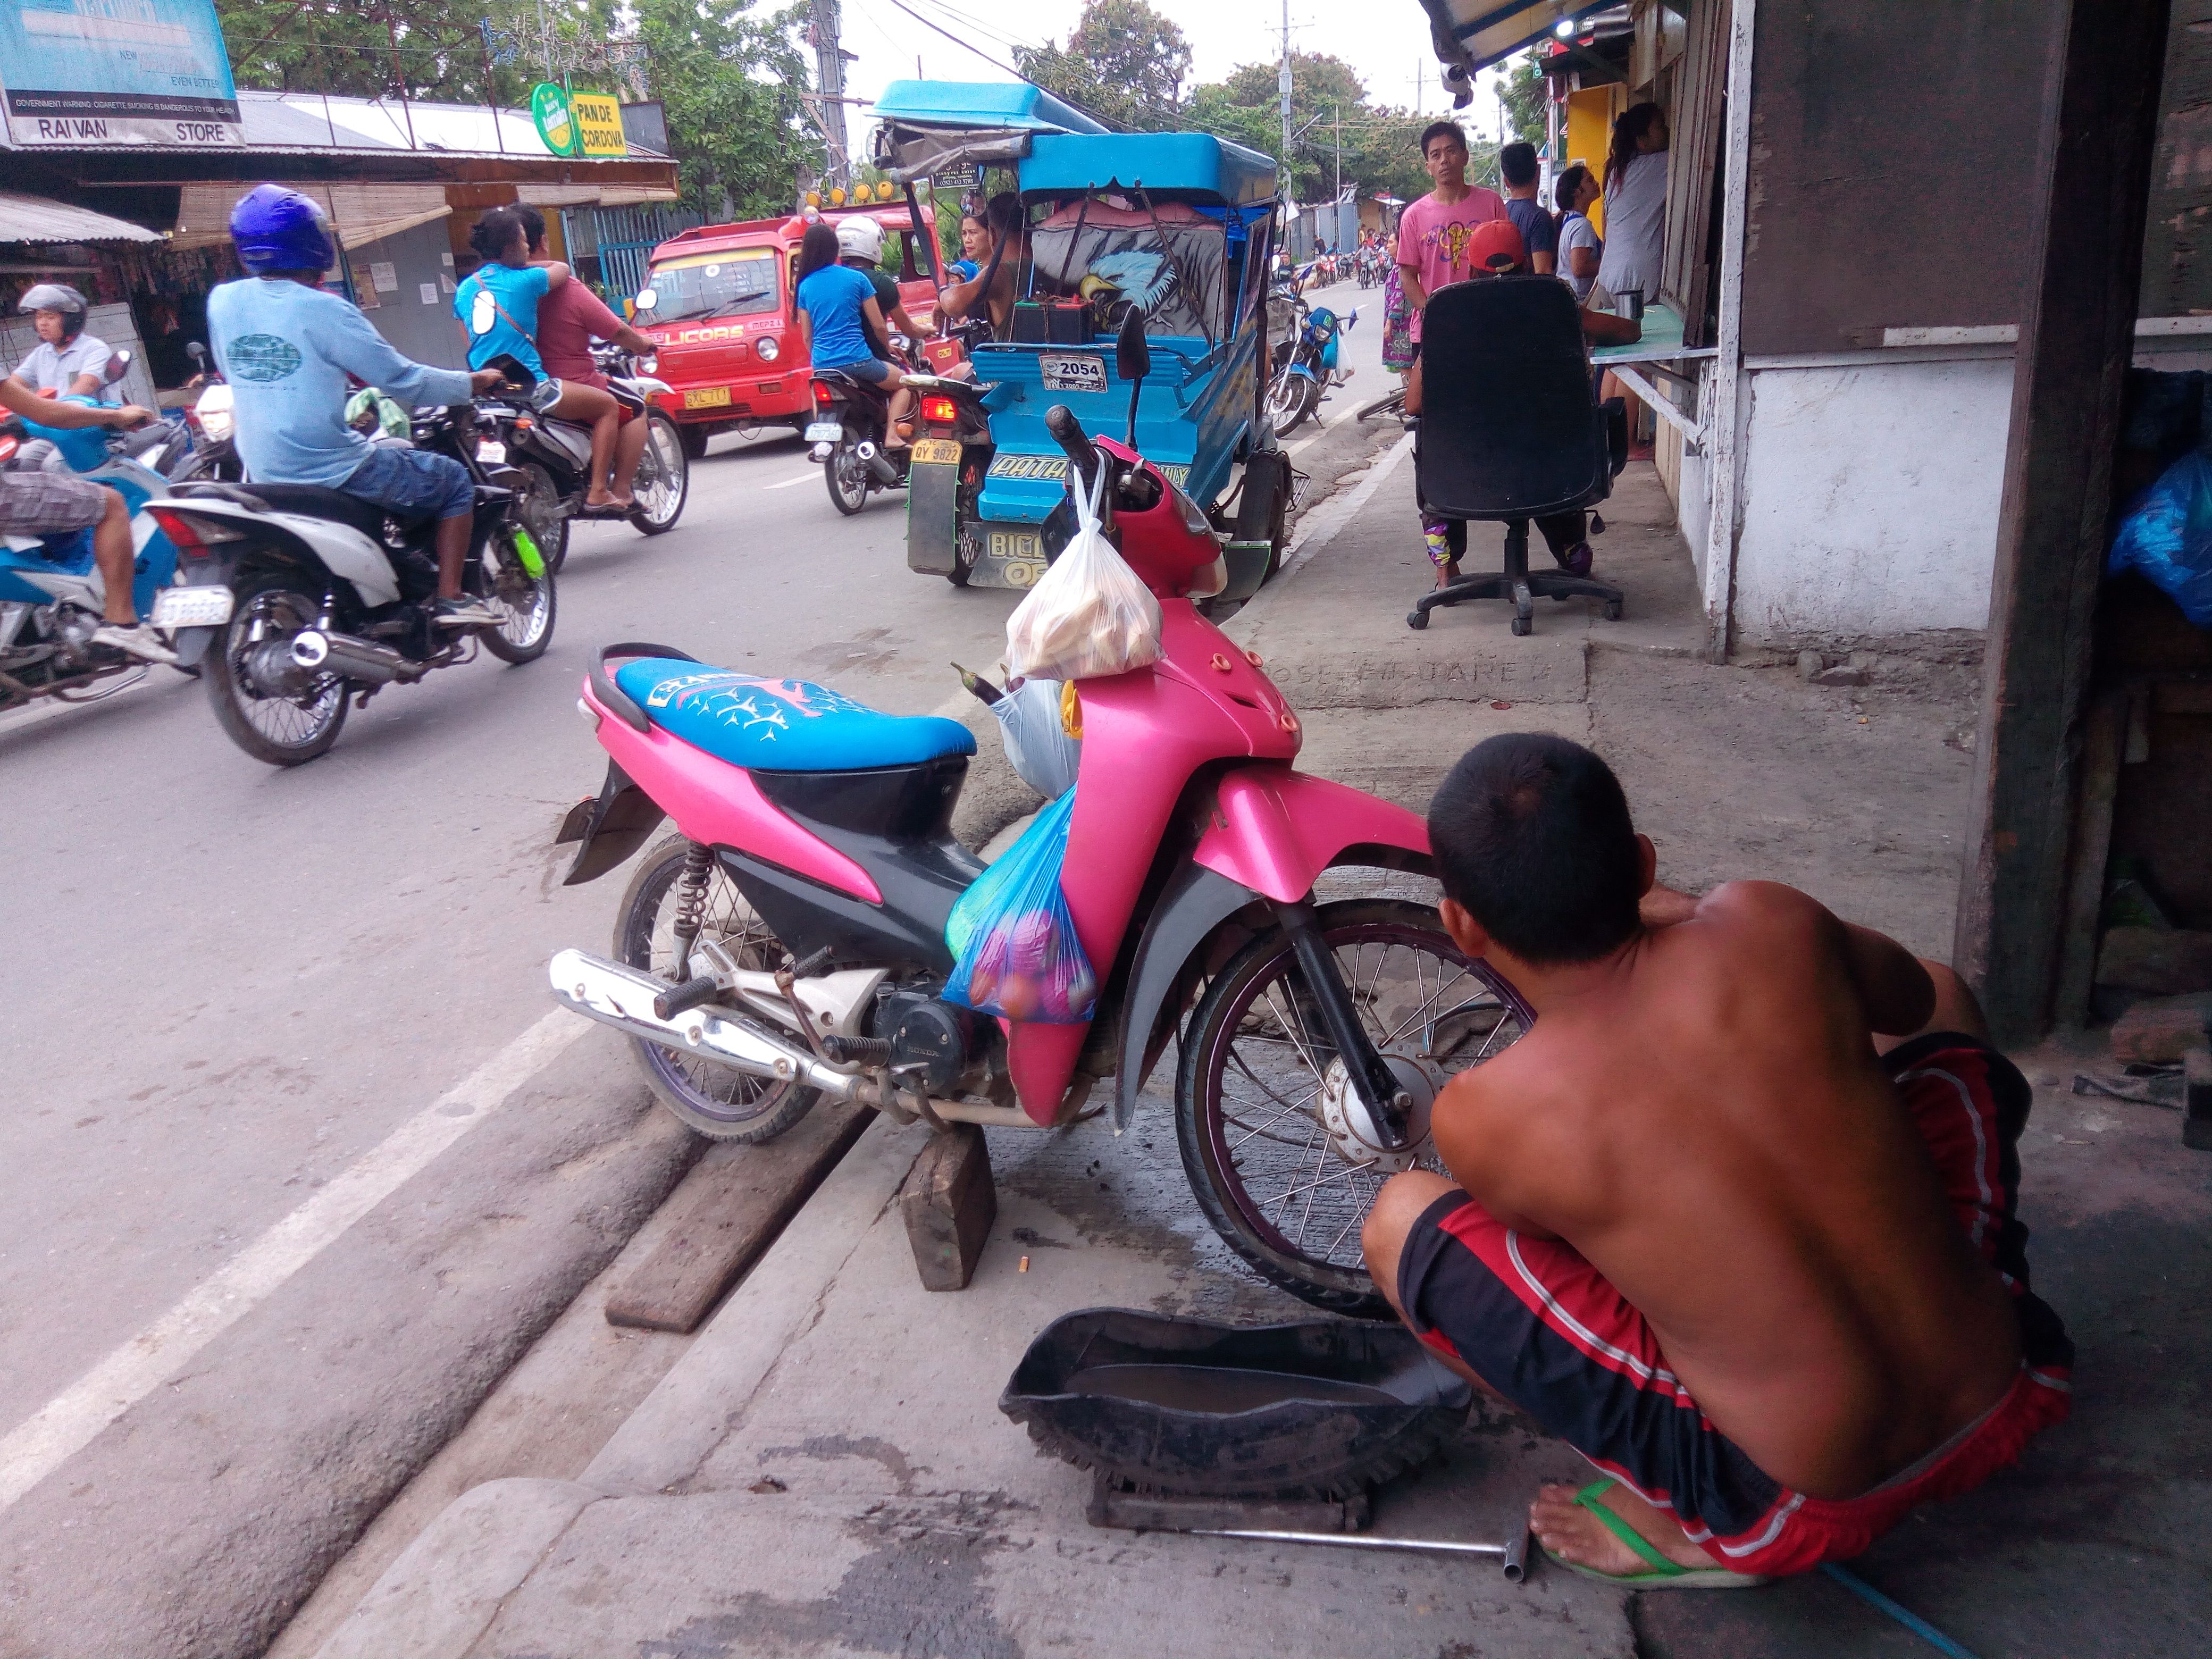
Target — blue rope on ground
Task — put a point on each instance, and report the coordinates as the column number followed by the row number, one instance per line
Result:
column 1904, row 1616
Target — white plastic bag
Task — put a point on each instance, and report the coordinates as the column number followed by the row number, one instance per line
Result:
column 1037, row 737
column 1088, row 616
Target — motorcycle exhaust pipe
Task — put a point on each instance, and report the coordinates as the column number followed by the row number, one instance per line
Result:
column 361, row 661
column 877, row 462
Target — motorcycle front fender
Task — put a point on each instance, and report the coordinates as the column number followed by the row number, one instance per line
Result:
column 1171, row 956
column 1303, row 372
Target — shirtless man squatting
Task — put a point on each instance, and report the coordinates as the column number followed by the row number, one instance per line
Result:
column 1734, row 1218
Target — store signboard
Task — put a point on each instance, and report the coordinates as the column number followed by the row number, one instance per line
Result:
column 107, row 74
column 599, row 123
column 557, row 122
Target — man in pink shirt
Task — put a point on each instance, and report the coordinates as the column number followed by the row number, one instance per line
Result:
column 1433, row 232
column 569, row 317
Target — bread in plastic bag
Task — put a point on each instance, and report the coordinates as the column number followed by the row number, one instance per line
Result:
column 1037, row 737
column 1018, row 954
column 1089, row 615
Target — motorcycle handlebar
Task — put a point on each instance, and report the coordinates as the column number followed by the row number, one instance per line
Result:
column 1068, row 432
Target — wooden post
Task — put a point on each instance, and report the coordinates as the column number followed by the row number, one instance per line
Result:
column 1723, row 385
column 2085, row 257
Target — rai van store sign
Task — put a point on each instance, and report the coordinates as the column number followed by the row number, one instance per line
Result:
column 109, row 74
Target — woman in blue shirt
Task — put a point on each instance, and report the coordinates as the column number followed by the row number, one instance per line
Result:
column 497, row 304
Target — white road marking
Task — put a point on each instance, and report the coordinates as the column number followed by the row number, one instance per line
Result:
column 69, row 1422
column 804, row 477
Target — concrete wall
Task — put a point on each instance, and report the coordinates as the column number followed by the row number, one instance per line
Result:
column 425, row 330
column 1870, row 501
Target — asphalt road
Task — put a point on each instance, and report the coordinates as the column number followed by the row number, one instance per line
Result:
column 225, row 987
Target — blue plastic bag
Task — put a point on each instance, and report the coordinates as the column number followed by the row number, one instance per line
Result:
column 2168, row 536
column 1018, row 953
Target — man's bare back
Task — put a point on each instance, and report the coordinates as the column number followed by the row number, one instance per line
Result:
column 1706, row 1121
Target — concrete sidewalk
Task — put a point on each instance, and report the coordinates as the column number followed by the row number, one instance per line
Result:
column 824, row 1471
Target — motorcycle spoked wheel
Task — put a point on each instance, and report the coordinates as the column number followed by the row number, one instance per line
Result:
column 275, row 730
column 663, row 482
column 718, row 1101
column 1290, row 398
column 1249, row 1113
column 847, row 476
column 525, row 602
column 542, row 513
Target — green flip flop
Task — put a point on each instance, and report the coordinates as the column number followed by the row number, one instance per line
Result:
column 1664, row 1574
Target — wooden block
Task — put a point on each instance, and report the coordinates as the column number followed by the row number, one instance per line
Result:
column 2197, row 1099
column 728, row 1210
column 949, row 1203
column 2159, row 1030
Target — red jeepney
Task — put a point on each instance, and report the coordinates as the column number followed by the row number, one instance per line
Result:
column 721, row 319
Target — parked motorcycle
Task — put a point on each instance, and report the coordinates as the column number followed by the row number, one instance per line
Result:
column 298, row 598
column 1304, row 360
column 788, row 943
column 554, row 458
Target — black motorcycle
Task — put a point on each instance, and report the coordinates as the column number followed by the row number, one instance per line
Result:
column 302, row 601
column 554, row 458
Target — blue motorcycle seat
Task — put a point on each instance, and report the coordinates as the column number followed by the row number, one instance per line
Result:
column 781, row 725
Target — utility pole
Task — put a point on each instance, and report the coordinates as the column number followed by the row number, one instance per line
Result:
column 1283, row 85
column 1340, row 151
column 829, row 83
column 1420, row 84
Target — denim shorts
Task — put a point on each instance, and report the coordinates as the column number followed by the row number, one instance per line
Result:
column 870, row 371
column 414, row 484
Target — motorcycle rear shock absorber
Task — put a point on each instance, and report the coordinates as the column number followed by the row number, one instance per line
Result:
column 690, row 902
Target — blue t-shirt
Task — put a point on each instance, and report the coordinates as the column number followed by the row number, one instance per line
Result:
column 831, row 298
column 515, row 291
column 286, row 350
column 1538, row 234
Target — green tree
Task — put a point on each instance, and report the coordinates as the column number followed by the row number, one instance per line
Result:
column 1329, row 105
column 1124, row 63
column 731, row 76
column 1523, row 92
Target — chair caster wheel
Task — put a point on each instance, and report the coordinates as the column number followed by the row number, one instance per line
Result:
column 1417, row 620
column 1613, row 610
column 1597, row 524
column 1522, row 625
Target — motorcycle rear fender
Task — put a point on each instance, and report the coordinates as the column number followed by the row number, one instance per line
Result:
column 611, row 826
column 339, row 548
column 1270, row 834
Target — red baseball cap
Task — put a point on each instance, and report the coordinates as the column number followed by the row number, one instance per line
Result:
column 1496, row 247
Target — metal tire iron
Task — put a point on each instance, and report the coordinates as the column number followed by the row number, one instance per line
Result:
column 1513, row 1553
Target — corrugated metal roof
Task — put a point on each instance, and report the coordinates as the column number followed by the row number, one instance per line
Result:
column 39, row 219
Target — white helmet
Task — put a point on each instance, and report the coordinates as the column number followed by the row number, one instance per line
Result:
column 860, row 238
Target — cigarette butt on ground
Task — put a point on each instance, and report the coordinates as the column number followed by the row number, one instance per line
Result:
column 1024, row 1268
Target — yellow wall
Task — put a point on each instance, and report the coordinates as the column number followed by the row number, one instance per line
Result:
column 1589, row 134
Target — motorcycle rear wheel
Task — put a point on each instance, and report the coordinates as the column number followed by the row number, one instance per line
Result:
column 544, row 514
column 664, row 479
column 847, row 476
column 276, row 730
column 720, row 1102
column 1248, row 1090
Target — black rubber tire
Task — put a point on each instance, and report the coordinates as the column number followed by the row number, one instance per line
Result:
column 695, row 437
column 783, row 1104
column 543, row 514
column 1338, row 1289
column 223, row 692
column 1417, row 620
column 509, row 651
column 840, row 456
column 664, row 446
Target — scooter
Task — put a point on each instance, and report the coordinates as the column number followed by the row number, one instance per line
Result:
column 303, row 602
column 788, row 942
column 554, row 458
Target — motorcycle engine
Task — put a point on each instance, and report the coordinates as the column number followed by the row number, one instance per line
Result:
column 927, row 1032
column 71, row 629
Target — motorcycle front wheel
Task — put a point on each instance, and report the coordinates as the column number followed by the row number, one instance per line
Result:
column 278, row 730
column 525, row 604
column 1290, row 398
column 847, row 475
column 664, row 479
column 719, row 1101
column 1258, row 1075
column 538, row 503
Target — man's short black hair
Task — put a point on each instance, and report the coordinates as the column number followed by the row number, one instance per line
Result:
column 1436, row 129
column 1517, row 162
column 533, row 223
column 1532, row 835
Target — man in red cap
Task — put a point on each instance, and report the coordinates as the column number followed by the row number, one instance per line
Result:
column 1495, row 249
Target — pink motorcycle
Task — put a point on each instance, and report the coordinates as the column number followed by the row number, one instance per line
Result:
column 788, row 941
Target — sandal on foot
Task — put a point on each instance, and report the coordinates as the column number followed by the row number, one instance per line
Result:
column 1664, row 1574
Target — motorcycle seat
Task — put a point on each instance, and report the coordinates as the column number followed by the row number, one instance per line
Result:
column 781, row 725
column 312, row 499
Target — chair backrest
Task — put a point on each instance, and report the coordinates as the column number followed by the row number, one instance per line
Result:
column 1510, row 428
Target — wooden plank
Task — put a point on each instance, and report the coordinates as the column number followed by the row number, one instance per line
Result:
column 948, row 1203
column 2086, row 255
column 728, row 1210
column 2093, row 844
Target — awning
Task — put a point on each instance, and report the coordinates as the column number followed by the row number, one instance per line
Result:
column 1473, row 34
column 39, row 219
column 359, row 214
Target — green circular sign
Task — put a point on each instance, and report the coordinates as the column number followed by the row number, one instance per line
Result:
column 557, row 122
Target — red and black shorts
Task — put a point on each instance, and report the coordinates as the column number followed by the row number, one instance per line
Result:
column 1541, row 1326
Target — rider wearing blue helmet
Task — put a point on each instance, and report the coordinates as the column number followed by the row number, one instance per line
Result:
column 286, row 347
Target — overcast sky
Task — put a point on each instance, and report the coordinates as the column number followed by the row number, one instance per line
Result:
column 1385, row 41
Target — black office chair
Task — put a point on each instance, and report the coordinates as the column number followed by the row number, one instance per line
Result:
column 1509, row 430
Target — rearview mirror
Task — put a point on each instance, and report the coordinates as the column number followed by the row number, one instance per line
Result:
column 119, row 365
column 1133, row 354
column 196, row 351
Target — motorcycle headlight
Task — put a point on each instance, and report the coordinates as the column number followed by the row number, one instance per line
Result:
column 768, row 348
column 217, row 424
column 649, row 365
